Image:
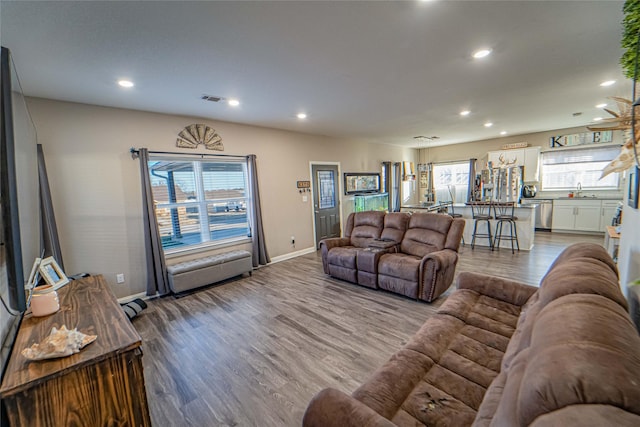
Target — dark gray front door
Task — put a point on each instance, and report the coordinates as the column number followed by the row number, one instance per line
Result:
column 326, row 201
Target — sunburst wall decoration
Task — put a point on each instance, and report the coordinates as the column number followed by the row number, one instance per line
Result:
column 196, row 134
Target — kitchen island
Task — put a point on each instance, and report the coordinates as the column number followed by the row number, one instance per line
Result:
column 525, row 224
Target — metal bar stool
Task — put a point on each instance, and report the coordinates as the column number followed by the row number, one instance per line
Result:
column 481, row 212
column 504, row 212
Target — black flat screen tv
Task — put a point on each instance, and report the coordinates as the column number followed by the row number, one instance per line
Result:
column 19, row 203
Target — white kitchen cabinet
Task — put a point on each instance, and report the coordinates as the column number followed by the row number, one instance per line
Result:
column 609, row 208
column 531, row 164
column 577, row 215
column 588, row 216
column 564, row 216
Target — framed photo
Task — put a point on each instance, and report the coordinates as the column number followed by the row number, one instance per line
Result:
column 52, row 273
column 634, row 178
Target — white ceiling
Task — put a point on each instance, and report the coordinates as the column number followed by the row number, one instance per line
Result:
column 382, row 71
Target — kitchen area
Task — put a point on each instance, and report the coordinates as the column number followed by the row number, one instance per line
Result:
column 550, row 203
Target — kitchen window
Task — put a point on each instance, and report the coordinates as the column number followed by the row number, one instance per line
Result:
column 451, row 181
column 199, row 203
column 566, row 169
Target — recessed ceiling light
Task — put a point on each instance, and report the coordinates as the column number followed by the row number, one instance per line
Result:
column 465, row 113
column 233, row 102
column 301, row 116
column 504, row 132
column 481, row 53
column 125, row 83
column 601, row 105
column 597, row 119
column 488, row 124
column 608, row 83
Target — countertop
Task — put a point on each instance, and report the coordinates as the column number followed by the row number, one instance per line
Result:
column 587, row 198
column 518, row 206
column 457, row 205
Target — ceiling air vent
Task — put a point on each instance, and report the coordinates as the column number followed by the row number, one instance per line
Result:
column 211, row 98
column 426, row 138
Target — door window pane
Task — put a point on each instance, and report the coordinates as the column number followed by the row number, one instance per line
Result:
column 327, row 190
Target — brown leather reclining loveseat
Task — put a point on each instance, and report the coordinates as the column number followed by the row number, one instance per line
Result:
column 501, row 353
column 413, row 255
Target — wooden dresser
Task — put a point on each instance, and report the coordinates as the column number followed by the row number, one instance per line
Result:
column 103, row 385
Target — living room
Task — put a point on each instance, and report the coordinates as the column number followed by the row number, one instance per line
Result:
column 95, row 183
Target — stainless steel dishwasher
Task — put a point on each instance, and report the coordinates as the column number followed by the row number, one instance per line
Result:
column 544, row 212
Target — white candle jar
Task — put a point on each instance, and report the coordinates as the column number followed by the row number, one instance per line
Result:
column 44, row 301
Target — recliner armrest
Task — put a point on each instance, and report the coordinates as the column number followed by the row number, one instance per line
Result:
column 496, row 287
column 437, row 270
column 332, row 407
column 333, row 242
column 442, row 259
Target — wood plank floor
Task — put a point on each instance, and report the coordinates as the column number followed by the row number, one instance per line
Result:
column 253, row 351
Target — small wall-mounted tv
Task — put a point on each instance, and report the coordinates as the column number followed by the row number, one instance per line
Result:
column 19, row 203
column 361, row 183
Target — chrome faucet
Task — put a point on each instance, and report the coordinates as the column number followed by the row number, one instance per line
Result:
column 579, row 190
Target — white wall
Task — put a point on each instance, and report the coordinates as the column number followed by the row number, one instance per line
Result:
column 96, row 192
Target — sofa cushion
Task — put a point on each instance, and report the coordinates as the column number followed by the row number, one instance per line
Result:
column 344, row 256
column 198, row 263
column 586, row 273
column 441, row 375
column 580, row 292
column 366, row 227
column 395, row 225
column 426, row 233
column 584, row 269
column 592, row 359
column 399, row 265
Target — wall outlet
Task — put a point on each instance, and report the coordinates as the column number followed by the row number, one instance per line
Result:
column 120, row 278
column 293, row 240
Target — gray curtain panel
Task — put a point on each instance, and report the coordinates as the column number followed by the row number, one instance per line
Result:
column 472, row 179
column 157, row 280
column 397, row 179
column 386, row 166
column 260, row 254
column 49, row 240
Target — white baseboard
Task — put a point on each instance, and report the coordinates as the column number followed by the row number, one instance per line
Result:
column 141, row 295
column 292, row 255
